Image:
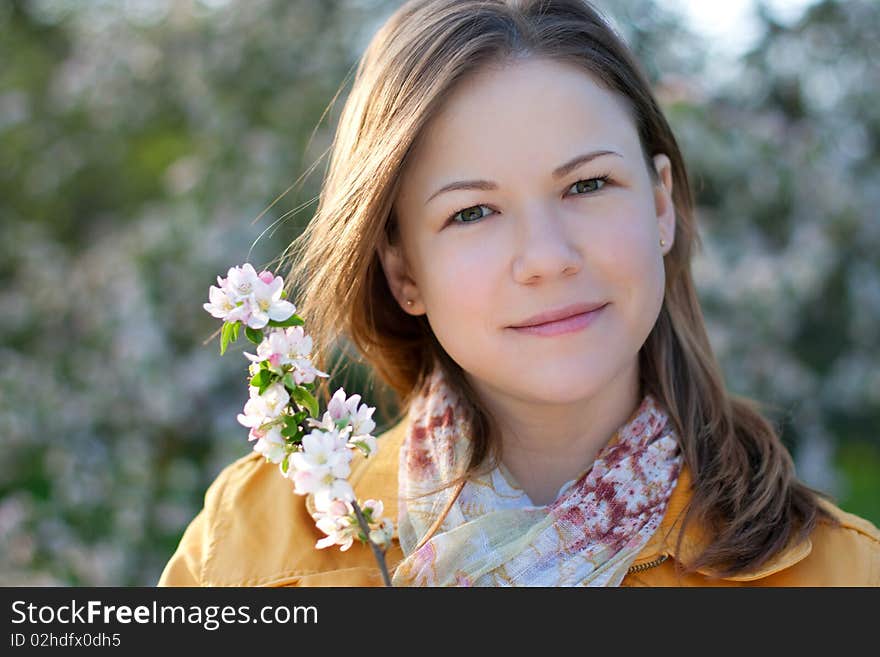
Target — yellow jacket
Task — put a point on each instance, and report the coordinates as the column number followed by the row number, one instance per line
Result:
column 254, row 531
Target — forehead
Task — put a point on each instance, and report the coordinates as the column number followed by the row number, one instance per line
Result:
column 535, row 113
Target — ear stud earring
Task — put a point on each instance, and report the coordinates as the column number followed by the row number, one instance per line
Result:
column 662, row 243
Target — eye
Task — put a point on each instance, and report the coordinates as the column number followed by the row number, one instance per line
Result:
column 473, row 213
column 598, row 180
column 469, row 215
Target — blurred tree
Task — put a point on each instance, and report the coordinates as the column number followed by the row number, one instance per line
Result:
column 786, row 154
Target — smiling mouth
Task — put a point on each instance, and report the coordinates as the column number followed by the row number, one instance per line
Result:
column 560, row 313
column 570, row 324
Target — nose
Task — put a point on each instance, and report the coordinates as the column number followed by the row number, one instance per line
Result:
column 545, row 249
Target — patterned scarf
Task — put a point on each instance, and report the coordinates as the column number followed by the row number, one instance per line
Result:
column 491, row 533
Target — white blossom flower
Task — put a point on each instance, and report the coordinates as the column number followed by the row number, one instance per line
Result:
column 241, row 312
column 361, row 419
column 341, row 409
column 322, row 466
column 220, row 302
column 381, row 529
column 338, row 522
column 322, row 484
column 364, row 442
column 382, row 534
column 299, row 344
column 266, row 303
column 323, row 450
column 339, row 490
column 271, row 444
column 373, row 507
column 272, row 348
column 248, row 297
column 288, row 346
column 241, row 281
column 305, row 372
column 284, row 346
column 307, row 481
column 262, row 408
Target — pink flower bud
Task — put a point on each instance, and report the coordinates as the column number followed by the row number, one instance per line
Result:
column 266, row 276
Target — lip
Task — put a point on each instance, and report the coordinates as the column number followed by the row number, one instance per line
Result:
column 553, row 316
column 561, row 326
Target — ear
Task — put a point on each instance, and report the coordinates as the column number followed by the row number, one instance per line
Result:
column 664, row 206
column 397, row 273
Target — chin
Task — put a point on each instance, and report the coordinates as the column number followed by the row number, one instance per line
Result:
column 562, row 388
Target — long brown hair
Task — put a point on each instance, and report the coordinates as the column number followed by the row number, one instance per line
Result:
column 745, row 488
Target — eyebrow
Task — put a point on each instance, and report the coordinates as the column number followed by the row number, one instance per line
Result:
column 558, row 172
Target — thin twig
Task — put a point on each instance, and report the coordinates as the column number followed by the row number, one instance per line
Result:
column 379, row 554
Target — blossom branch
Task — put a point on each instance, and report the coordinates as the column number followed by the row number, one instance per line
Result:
column 281, row 412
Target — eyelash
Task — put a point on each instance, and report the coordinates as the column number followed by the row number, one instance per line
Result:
column 605, row 177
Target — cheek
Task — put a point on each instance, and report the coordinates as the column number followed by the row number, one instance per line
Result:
column 460, row 281
column 627, row 245
column 630, row 259
column 460, row 287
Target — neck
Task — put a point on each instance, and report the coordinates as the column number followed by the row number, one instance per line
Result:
column 545, row 445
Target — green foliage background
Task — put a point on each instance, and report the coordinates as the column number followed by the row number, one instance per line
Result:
column 141, row 143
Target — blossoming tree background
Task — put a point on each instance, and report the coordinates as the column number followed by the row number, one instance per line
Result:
column 142, row 141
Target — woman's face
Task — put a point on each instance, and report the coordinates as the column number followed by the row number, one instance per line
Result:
column 531, row 238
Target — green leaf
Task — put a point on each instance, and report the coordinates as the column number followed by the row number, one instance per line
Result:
column 283, row 294
column 235, row 327
column 304, row 398
column 361, row 445
column 293, row 320
column 260, row 379
column 291, row 425
column 284, row 465
column 254, row 335
column 226, row 335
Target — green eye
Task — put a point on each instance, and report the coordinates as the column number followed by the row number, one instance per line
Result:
column 469, row 215
column 597, row 184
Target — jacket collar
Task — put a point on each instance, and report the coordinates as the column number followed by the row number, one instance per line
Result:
column 377, row 478
column 696, row 537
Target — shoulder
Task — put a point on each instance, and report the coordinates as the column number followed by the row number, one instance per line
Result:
column 844, row 551
column 255, row 531
column 235, row 539
column 841, row 551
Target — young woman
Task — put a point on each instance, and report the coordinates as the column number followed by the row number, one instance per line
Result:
column 505, row 233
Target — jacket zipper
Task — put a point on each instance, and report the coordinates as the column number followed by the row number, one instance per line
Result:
column 647, row 565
